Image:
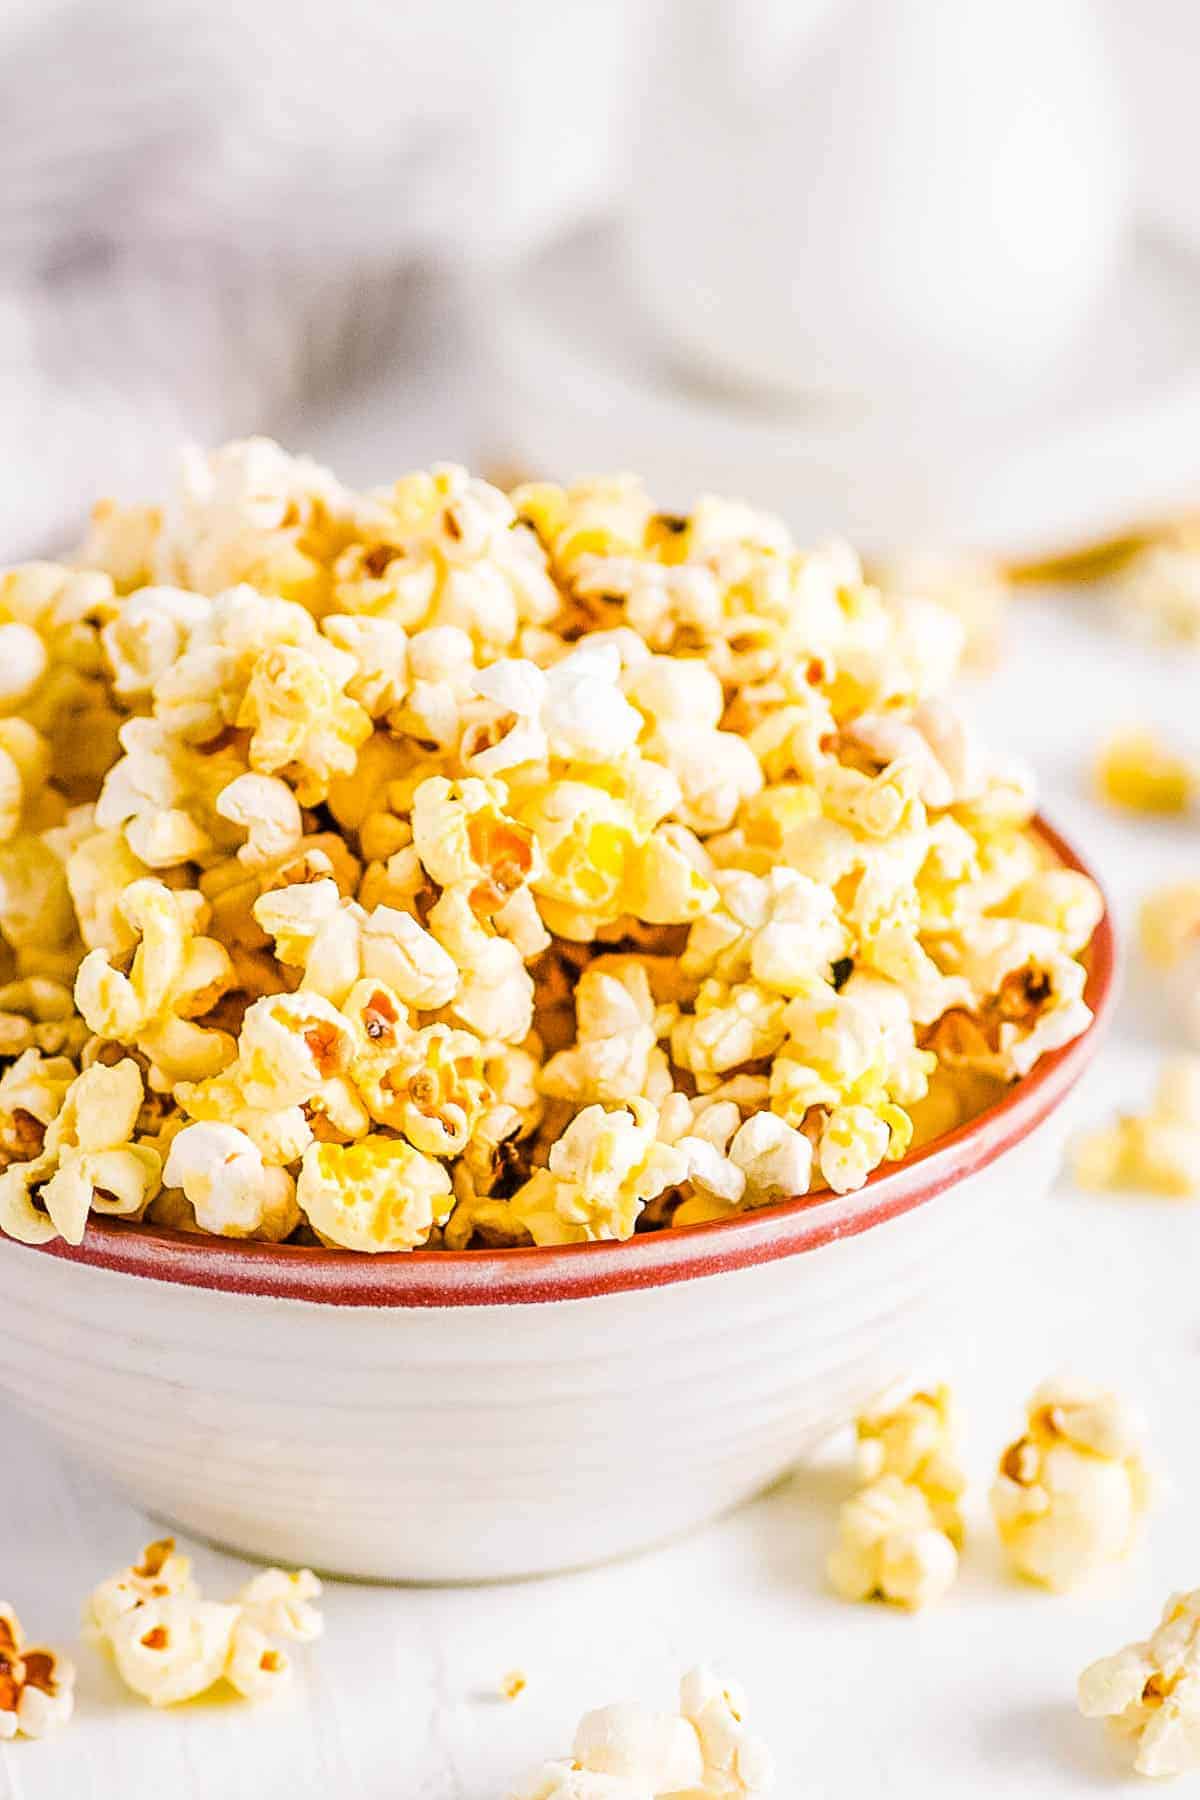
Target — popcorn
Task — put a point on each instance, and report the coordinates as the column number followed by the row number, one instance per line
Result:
column 301, row 724
column 775, row 1159
column 1069, row 1494
column 974, row 590
column 602, row 1171
column 1136, row 770
column 1157, row 1151
column 87, row 1162
column 177, row 974
column 169, row 1644
column 168, row 1651
column 1150, row 1692
column 337, row 942
column 453, row 868
column 148, row 635
column 233, row 1193
column 890, row 1547
column 495, row 991
column 1169, row 928
column 915, row 1439
column 162, row 1574
column 630, row 1752
column 1158, row 594
column 736, row 1764
column 269, row 813
column 377, row 1194
column 37, row 1686
column 1028, row 998
column 659, row 1750
column 616, row 1037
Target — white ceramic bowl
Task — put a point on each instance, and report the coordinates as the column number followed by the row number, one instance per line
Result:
column 451, row 1417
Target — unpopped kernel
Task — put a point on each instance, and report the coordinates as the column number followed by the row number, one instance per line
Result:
column 444, row 868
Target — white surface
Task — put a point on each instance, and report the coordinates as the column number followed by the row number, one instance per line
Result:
column 976, row 1698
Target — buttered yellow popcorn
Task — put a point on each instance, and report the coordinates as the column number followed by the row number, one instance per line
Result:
column 377, row 1194
column 1150, row 1692
column 1138, row 771
column 1070, row 1493
column 601, row 1173
column 1157, row 1151
column 461, row 868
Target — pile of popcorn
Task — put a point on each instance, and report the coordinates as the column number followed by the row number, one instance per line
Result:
column 447, row 868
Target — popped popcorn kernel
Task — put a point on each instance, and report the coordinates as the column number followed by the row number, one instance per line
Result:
column 917, row 1439
column 1136, row 770
column 1157, row 1151
column 629, row 1751
column 1149, row 1693
column 1070, row 1493
column 453, row 868
column 376, row 1194
column 890, row 1547
column 37, row 1686
column 169, row 1644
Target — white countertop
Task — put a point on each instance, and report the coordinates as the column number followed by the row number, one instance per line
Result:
column 400, row 1698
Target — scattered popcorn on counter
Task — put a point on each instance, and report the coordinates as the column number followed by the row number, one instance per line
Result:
column 630, row 1752
column 1137, row 770
column 1157, row 1151
column 1158, row 592
column 1150, row 1692
column 917, row 1440
column 1169, row 928
column 890, row 1547
column 37, row 1686
column 444, row 868
column 169, row 1644
column 1069, row 1494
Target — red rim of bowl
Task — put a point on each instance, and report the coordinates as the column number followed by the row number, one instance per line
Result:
column 434, row 1278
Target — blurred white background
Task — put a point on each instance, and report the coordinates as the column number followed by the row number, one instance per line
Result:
column 908, row 268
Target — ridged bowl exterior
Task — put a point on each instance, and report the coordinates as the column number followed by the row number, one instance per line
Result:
column 463, row 1443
